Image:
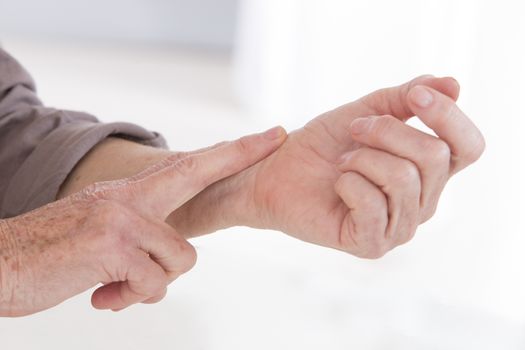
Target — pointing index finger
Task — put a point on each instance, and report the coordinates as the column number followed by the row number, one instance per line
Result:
column 169, row 184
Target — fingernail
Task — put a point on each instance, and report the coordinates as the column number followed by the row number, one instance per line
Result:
column 427, row 76
column 360, row 125
column 274, row 133
column 422, row 96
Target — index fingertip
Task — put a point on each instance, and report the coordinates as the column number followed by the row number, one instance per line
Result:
column 274, row 133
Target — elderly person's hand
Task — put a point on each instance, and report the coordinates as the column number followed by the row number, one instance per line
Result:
column 114, row 233
column 355, row 178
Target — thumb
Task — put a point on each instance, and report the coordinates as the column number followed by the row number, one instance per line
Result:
column 164, row 187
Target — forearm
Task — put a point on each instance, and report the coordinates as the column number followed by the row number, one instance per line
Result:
column 114, row 158
column 6, row 250
column 214, row 208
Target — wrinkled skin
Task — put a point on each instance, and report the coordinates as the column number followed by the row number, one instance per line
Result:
column 114, row 233
column 67, row 247
column 356, row 179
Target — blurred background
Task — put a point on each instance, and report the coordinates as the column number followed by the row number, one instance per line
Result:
column 202, row 71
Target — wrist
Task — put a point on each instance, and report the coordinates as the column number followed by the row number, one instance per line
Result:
column 227, row 203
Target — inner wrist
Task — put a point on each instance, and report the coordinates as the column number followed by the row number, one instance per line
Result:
column 224, row 204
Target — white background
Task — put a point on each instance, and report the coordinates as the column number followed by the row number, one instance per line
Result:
column 459, row 284
column 208, row 23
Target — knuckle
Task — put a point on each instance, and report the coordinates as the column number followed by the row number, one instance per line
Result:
column 407, row 174
column 110, row 218
column 380, row 126
column 174, row 158
column 109, row 211
column 103, row 190
column 158, row 296
column 186, row 166
column 97, row 190
column 153, row 284
column 159, row 287
column 185, row 252
column 375, row 252
column 428, row 213
column 476, row 150
column 118, row 242
column 412, row 232
column 189, row 255
column 407, row 237
column 439, row 151
column 344, row 181
column 243, row 145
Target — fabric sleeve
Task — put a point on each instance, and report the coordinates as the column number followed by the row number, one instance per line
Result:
column 40, row 146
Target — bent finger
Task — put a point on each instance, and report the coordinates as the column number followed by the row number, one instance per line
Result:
column 430, row 154
column 363, row 230
column 441, row 114
column 398, row 179
column 144, row 280
column 168, row 249
column 156, row 298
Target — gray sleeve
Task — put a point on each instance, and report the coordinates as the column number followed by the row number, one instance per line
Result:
column 39, row 146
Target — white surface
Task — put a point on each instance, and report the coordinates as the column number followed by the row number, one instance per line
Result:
column 458, row 285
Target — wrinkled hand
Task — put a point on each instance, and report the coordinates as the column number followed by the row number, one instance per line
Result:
column 357, row 178
column 114, row 233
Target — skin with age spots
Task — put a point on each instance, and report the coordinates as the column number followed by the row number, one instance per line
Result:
column 113, row 233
